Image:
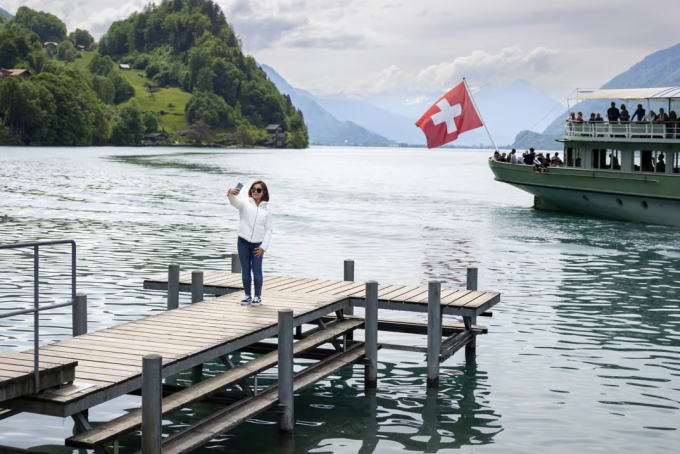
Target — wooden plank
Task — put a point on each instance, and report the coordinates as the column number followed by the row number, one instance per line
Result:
column 133, row 420
column 463, row 300
column 318, row 284
column 396, row 294
column 453, row 296
column 230, row 417
column 415, row 293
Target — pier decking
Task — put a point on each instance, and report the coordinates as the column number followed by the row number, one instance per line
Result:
column 17, row 374
column 122, row 359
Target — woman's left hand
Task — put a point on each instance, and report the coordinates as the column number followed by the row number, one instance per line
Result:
column 259, row 252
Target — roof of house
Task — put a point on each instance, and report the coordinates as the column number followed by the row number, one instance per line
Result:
column 155, row 135
column 123, row 66
column 273, row 127
column 15, row 72
column 50, row 43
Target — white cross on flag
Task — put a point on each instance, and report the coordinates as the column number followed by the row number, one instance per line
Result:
column 453, row 114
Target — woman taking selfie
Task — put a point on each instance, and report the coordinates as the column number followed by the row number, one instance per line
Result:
column 254, row 235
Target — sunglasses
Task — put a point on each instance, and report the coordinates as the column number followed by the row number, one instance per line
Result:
column 254, row 190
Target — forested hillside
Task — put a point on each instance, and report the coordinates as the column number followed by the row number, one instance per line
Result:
column 187, row 71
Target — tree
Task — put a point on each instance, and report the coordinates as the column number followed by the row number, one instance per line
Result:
column 69, row 55
column 48, row 26
column 243, row 136
column 150, row 122
column 209, row 108
column 204, row 81
column 100, row 66
column 104, row 88
column 81, row 37
column 128, row 127
column 63, row 47
column 199, row 132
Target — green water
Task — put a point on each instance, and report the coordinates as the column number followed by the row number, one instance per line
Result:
column 583, row 352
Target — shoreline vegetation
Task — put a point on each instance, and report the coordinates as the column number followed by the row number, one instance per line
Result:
column 173, row 74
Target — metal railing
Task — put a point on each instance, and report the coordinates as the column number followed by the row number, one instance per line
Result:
column 36, row 309
column 635, row 130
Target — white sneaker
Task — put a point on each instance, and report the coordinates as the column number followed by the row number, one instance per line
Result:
column 246, row 301
column 256, row 301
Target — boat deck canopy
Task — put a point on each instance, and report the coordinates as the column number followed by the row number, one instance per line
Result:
column 663, row 93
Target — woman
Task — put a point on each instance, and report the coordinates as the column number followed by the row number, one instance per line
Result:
column 254, row 235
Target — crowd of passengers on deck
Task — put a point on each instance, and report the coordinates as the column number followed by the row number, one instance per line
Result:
column 531, row 158
column 622, row 116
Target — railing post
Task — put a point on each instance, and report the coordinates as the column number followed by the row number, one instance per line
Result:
column 434, row 332
column 196, row 286
column 349, row 277
column 235, row 263
column 36, row 317
column 173, row 286
column 285, row 351
column 371, row 335
column 79, row 314
column 152, row 392
column 472, row 285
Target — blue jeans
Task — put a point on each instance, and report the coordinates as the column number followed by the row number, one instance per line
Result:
column 250, row 263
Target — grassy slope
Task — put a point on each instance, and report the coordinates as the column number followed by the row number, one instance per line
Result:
column 159, row 101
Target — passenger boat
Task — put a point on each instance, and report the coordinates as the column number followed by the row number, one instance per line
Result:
column 628, row 171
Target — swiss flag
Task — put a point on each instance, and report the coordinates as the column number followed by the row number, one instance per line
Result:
column 453, row 114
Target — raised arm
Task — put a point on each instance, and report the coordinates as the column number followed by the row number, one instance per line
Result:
column 268, row 230
column 235, row 201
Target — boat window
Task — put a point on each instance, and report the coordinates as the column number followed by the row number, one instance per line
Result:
column 649, row 161
column 606, row 159
column 574, row 157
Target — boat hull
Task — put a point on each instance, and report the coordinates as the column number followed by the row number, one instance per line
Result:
column 632, row 197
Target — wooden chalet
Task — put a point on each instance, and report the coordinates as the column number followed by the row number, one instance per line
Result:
column 124, row 67
column 156, row 136
column 277, row 136
column 23, row 73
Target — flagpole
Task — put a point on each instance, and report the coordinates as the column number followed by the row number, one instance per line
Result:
column 480, row 115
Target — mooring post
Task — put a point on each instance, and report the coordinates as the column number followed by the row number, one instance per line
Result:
column 371, row 335
column 285, row 350
column 173, row 286
column 196, row 286
column 79, row 314
column 235, row 263
column 434, row 332
column 349, row 277
column 152, row 396
column 472, row 285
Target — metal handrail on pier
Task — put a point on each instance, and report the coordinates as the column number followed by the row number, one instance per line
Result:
column 36, row 309
column 630, row 130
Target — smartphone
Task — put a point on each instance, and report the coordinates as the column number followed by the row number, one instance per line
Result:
column 239, row 186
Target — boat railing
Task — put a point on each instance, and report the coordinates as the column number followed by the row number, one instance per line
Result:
column 631, row 130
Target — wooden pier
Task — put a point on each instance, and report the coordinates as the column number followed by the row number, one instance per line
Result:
column 137, row 355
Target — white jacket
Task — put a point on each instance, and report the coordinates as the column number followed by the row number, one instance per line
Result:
column 256, row 221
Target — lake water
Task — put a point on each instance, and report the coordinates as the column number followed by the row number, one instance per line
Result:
column 583, row 353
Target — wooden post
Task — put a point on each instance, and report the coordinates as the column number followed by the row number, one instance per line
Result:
column 472, row 285
column 371, row 335
column 196, row 286
column 79, row 314
column 173, row 286
column 349, row 277
column 152, row 397
column 434, row 332
column 235, row 263
column 285, row 351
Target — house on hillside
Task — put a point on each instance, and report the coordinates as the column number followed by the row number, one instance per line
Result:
column 124, row 67
column 152, row 88
column 156, row 137
column 50, row 46
column 23, row 73
column 277, row 136
column 81, row 48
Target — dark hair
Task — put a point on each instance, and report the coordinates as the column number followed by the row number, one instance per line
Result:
column 531, row 149
column 265, row 193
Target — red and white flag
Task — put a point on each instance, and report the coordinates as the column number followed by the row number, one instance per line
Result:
column 453, row 114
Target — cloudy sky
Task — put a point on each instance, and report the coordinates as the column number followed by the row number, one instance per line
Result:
column 361, row 46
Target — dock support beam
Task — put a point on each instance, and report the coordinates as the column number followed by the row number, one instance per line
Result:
column 472, row 285
column 235, row 263
column 286, row 417
column 434, row 332
column 152, row 396
column 79, row 313
column 173, row 286
column 196, row 297
column 371, row 335
column 349, row 277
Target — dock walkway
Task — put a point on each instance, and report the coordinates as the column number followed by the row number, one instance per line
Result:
column 17, row 374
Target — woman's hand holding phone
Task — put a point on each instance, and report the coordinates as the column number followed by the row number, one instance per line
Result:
column 234, row 191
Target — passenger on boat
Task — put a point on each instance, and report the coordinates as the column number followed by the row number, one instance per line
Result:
column 615, row 161
column 639, row 113
column 592, row 118
column 651, row 117
column 496, row 156
column 556, row 161
column 613, row 114
column 624, row 116
column 663, row 116
column 599, row 118
column 661, row 165
column 538, row 161
column 579, row 118
column 572, row 118
column 513, row 157
column 531, row 156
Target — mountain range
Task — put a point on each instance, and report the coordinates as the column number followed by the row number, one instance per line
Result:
column 389, row 118
column 660, row 69
column 6, row 14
